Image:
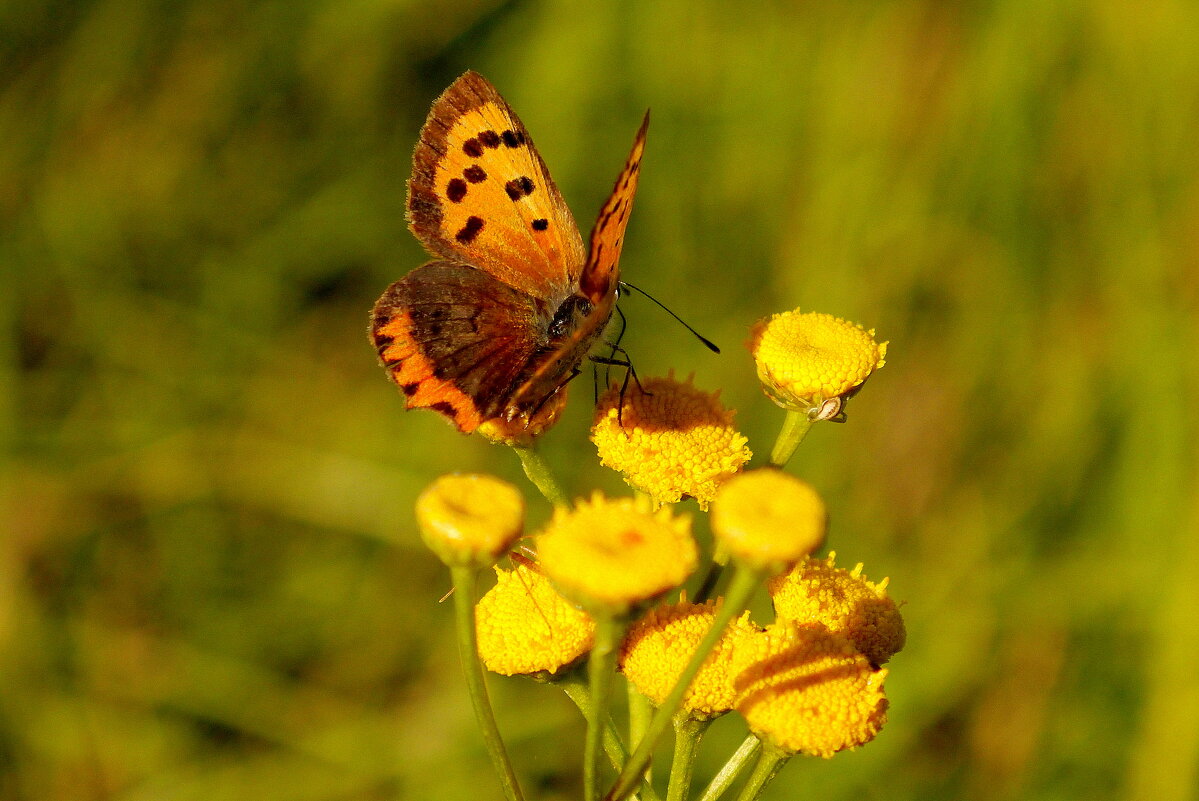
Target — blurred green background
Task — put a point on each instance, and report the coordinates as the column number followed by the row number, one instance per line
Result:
column 210, row 582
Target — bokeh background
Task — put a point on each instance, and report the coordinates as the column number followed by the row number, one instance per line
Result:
column 210, row 582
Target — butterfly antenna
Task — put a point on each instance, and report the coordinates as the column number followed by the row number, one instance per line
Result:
column 707, row 342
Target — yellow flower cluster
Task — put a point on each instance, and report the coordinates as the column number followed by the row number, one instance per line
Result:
column 806, row 359
column 524, row 626
column 812, row 681
column 659, row 645
column 808, row 690
column 669, row 439
column 769, row 519
column 844, row 602
column 611, row 555
column 470, row 519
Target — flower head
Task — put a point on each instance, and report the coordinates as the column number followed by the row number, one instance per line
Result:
column 521, row 431
column 609, row 555
column 805, row 360
column 659, row 646
column 805, row 689
column 524, row 625
column 469, row 519
column 816, row 590
column 670, row 441
column 769, row 519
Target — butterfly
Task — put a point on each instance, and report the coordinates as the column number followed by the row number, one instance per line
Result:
column 496, row 325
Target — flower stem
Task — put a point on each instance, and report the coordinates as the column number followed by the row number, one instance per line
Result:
column 576, row 689
column 769, row 764
column 465, row 585
column 538, row 471
column 745, row 580
column 795, row 428
column 728, row 774
column 687, row 733
column 601, row 669
column 708, row 585
column 640, row 711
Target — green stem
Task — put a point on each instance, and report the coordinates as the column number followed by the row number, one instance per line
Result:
column 640, row 711
column 538, row 471
column 708, row 585
column 728, row 774
column 795, row 428
column 745, row 580
column 465, row 585
column 769, row 764
column 601, row 669
column 576, row 689
column 687, row 733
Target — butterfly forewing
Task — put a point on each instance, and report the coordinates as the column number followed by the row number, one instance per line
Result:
column 602, row 272
column 598, row 282
column 481, row 194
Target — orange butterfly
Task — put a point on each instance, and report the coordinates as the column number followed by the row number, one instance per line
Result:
column 496, row 325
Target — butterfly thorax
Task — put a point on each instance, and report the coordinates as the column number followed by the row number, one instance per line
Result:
column 569, row 336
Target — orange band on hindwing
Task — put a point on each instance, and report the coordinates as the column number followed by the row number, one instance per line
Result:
column 416, row 376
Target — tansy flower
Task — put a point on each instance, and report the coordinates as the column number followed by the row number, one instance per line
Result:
column 768, row 519
column 609, row 555
column 525, row 626
column 660, row 645
column 469, row 519
column 806, row 360
column 844, row 602
column 805, row 689
column 670, row 441
column 521, row 431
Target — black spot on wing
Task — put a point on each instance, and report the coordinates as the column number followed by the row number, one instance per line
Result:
column 520, row 187
column 490, row 139
column 475, row 174
column 445, row 408
column 472, row 147
column 455, row 190
column 469, row 231
column 513, row 138
column 540, row 225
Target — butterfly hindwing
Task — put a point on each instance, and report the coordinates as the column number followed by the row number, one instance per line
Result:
column 456, row 340
column 480, row 194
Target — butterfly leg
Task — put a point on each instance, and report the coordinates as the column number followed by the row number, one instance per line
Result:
column 615, row 344
column 626, row 363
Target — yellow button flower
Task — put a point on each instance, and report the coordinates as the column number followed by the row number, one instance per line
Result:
column 805, row 689
column 522, row 431
column 524, row 625
column 844, row 602
column 660, row 645
column 609, row 555
column 768, row 519
column 804, row 360
column 672, row 441
column 469, row 519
